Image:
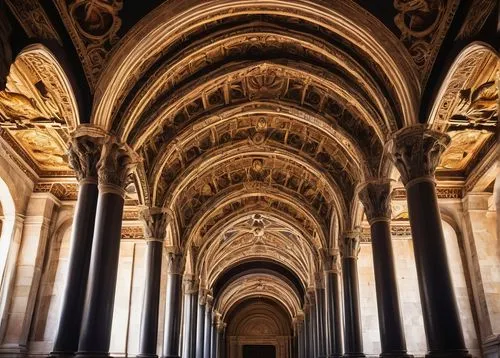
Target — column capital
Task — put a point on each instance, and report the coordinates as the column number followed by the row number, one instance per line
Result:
column 375, row 195
column 191, row 285
column 333, row 263
column 416, row 151
column 318, row 280
column 351, row 244
column 154, row 221
column 84, row 153
column 116, row 164
column 175, row 262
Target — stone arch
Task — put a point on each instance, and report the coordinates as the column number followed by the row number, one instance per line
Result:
column 163, row 23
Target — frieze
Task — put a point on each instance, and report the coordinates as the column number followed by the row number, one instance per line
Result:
column 132, row 233
column 442, row 193
column 62, row 191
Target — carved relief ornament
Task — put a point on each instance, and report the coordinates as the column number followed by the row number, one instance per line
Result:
column 375, row 195
column 416, row 151
column 351, row 245
column 155, row 222
column 116, row 164
column 175, row 262
column 83, row 154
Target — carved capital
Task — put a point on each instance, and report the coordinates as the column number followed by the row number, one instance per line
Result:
column 175, row 262
column 416, row 151
column 83, row 155
column 375, row 195
column 190, row 286
column 333, row 263
column 116, row 164
column 351, row 245
column 154, row 221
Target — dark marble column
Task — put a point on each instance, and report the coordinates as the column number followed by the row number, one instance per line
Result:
column 207, row 348
column 114, row 167
column 376, row 198
column 353, row 339
column 190, row 318
column 155, row 229
column 416, row 151
column 333, row 310
column 200, row 325
column 84, row 152
column 320, row 316
column 213, row 345
column 171, row 337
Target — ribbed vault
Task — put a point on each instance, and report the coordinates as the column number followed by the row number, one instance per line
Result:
column 256, row 122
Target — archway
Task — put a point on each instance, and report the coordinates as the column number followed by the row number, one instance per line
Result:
column 259, row 326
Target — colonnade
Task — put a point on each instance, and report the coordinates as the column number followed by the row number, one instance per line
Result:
column 103, row 166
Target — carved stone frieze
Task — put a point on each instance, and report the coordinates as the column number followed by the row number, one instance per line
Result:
column 375, row 195
column 155, row 221
column 116, row 164
column 83, row 154
column 442, row 193
column 62, row 191
column 132, row 233
column 33, row 19
column 416, row 151
column 93, row 26
column 423, row 25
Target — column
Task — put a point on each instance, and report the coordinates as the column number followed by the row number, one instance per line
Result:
column 84, row 152
column 353, row 339
column 173, row 304
column 376, row 198
column 313, row 328
column 200, row 325
column 333, row 309
column 155, row 229
column 190, row 315
column 320, row 316
column 207, row 348
column 299, row 327
column 213, row 329
column 416, row 151
column 114, row 168
column 308, row 347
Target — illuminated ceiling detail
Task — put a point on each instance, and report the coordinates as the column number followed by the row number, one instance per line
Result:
column 38, row 110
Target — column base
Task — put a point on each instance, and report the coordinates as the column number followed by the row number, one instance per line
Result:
column 395, row 355
column 354, row 355
column 146, row 355
column 449, row 354
column 170, row 356
column 92, row 355
column 335, row 356
column 61, row 355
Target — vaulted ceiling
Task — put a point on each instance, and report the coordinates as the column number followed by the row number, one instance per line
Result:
column 256, row 120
